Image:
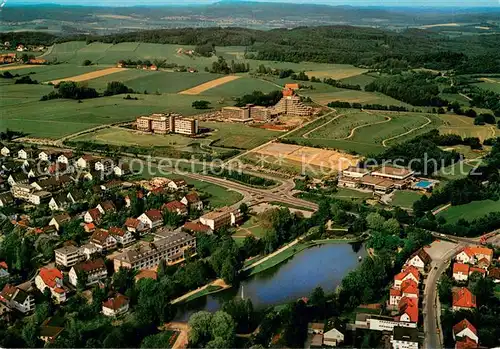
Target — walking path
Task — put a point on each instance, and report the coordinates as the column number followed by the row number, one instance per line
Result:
column 218, row 282
column 306, row 135
column 384, row 142
column 445, row 207
column 387, row 119
column 294, row 242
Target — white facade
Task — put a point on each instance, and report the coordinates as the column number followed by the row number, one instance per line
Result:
column 417, row 262
column 401, row 344
column 466, row 332
column 333, row 337
column 93, row 277
column 5, row 151
column 463, row 257
column 68, row 256
column 59, row 297
column 459, row 276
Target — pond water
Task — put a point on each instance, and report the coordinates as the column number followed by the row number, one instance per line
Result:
column 324, row 265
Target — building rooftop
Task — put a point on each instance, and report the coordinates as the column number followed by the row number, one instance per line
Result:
column 66, row 250
column 405, row 334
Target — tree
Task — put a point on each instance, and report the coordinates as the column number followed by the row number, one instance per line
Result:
column 375, row 221
column 444, row 289
column 201, row 104
column 222, row 326
column 87, row 62
column 116, row 88
column 159, row 340
column 30, row 334
column 391, row 226
column 199, row 324
column 244, row 210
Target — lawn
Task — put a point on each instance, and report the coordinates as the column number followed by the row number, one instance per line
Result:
column 155, row 81
column 490, row 84
column 251, row 226
column 470, row 211
column 238, row 136
column 240, row 87
column 206, row 291
column 52, row 72
column 337, row 72
column 405, row 198
column 361, row 80
column 456, row 171
column 58, row 118
column 352, row 96
column 346, row 193
column 464, row 126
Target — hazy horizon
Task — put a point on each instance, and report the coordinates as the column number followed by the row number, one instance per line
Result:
column 381, row 3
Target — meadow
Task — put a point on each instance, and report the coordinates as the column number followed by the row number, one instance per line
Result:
column 470, row 211
column 238, row 136
column 352, row 96
column 492, row 84
column 45, row 73
column 405, row 198
column 464, row 127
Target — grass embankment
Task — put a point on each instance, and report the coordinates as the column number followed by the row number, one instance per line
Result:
column 205, row 292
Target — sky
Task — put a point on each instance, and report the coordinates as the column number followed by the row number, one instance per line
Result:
column 429, row 3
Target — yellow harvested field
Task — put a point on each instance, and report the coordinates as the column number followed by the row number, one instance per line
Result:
column 90, row 76
column 307, row 156
column 336, row 74
column 21, row 66
column 439, row 25
column 208, row 85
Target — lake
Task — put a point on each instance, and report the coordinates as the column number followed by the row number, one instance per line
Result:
column 323, row 265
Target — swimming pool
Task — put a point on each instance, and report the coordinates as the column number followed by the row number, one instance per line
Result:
column 423, row 184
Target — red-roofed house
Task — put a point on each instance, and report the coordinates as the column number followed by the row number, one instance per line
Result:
column 466, row 343
column 103, row 240
column 463, row 299
column 106, row 207
column 134, row 225
column 481, row 271
column 409, row 288
column 94, row 270
column 419, row 260
column 115, row 306
column 92, row 216
column 460, row 271
column 176, row 207
column 408, row 310
column 151, row 218
column 193, row 201
column 465, row 329
column 197, row 227
column 394, row 296
column 123, row 237
column 473, row 254
column 52, row 279
column 89, row 227
column 410, row 273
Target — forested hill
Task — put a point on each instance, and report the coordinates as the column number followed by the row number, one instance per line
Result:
column 370, row 47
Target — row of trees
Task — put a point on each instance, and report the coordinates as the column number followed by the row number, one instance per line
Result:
column 221, row 67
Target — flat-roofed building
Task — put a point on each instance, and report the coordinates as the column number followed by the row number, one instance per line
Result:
column 68, row 256
column 355, row 172
column 397, row 173
column 380, row 323
column 149, row 255
column 259, row 113
column 222, row 217
column 185, row 126
column 377, row 184
column 236, row 113
column 291, row 104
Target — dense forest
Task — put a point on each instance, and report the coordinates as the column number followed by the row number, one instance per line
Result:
column 368, row 47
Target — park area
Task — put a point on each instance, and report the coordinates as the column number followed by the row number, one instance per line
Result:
column 470, row 211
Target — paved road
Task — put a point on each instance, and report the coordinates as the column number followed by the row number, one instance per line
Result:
column 430, row 304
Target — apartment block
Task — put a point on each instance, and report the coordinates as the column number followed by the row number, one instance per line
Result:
column 149, row 255
column 68, row 256
column 236, row 113
column 223, row 217
column 167, row 123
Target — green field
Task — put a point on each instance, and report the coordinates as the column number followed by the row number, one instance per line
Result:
column 492, row 84
column 352, row 96
column 154, row 81
column 240, row 87
column 346, row 193
column 47, row 73
column 238, row 136
column 365, row 132
column 58, row 118
column 470, row 211
column 251, row 226
column 361, row 80
column 405, row 198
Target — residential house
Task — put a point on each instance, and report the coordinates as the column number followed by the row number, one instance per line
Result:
column 47, row 155
column 463, row 299
column 197, row 227
column 76, row 196
column 89, row 227
column 460, row 271
column 419, row 260
column 92, row 216
column 5, row 151
column 121, row 170
column 333, row 338
column 103, row 240
column 106, row 207
column 17, row 178
column 94, row 271
column 223, row 217
column 123, row 237
column 177, row 184
column 68, row 256
column 473, row 254
column 59, row 202
column 4, row 271
column 15, row 298
column 113, row 184
column 39, row 197
column 395, row 295
column 49, row 333
column 494, row 273
column 466, row 343
column 134, row 225
column 409, row 288
column 6, row 199
column 480, row 271
column 86, row 161
column 465, row 329
column 59, row 220
column 88, row 250
column 176, row 207
column 52, row 279
column 408, row 310
column 404, row 338
column 316, row 328
column 65, row 158
column 25, row 154
column 193, row 201
column 115, row 306
column 409, row 273
column 151, row 218
column 104, row 165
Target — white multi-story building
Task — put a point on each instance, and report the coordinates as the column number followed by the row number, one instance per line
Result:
column 94, row 270
column 68, row 256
